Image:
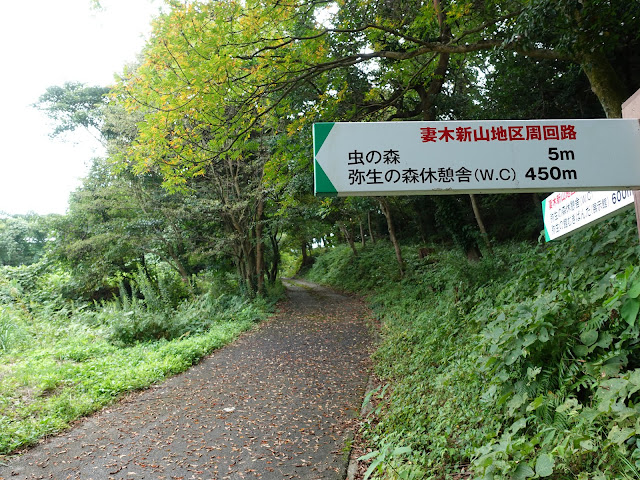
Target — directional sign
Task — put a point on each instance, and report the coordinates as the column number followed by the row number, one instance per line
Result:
column 417, row 158
column 565, row 213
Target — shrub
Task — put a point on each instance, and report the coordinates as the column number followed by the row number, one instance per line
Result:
column 148, row 313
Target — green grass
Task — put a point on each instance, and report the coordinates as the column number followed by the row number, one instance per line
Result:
column 58, row 378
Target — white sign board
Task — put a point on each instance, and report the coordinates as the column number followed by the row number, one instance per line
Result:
column 567, row 212
column 417, row 158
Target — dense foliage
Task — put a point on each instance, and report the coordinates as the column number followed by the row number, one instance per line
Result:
column 208, row 133
column 23, row 238
column 520, row 365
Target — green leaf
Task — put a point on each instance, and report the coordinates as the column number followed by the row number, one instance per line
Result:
column 634, row 290
column 543, row 336
column 516, row 402
column 369, row 455
column 536, row 403
column 544, row 465
column 589, row 337
column 619, row 435
column 372, row 467
column 401, row 451
column 495, row 333
column 367, row 397
column 634, row 377
column 629, row 310
column 518, row 425
column 605, row 340
column 588, row 445
column 581, row 350
column 512, row 356
column 529, row 339
column 613, row 365
column 523, row 471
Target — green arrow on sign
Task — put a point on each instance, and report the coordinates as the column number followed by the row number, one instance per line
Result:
column 322, row 183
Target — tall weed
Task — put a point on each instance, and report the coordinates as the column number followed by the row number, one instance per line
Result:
column 13, row 331
column 155, row 310
column 561, row 349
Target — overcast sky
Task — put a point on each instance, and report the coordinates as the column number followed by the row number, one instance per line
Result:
column 47, row 43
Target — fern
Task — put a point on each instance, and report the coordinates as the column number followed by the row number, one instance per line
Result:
column 124, row 300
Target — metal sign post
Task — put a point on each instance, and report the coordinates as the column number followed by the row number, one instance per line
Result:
column 631, row 109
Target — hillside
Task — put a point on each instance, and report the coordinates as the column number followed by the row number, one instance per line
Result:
column 523, row 364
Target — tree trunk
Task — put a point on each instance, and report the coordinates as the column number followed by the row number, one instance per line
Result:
column 605, row 83
column 428, row 95
column 174, row 261
column 183, row 271
column 249, row 262
column 259, row 246
column 305, row 257
column 348, row 237
column 478, row 215
column 273, row 271
column 362, row 233
column 373, row 239
column 386, row 209
column 535, row 198
column 240, row 266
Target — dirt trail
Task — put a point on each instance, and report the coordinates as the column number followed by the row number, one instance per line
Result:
column 276, row 404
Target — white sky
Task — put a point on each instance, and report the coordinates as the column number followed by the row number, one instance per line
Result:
column 47, row 43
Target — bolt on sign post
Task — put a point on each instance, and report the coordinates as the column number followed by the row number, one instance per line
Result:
column 420, row 158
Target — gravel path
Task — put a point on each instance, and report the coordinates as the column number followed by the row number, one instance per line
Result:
column 278, row 403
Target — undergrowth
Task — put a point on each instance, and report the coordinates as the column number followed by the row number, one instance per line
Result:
column 522, row 365
column 60, row 360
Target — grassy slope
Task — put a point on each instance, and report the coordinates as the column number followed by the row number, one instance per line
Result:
column 522, row 365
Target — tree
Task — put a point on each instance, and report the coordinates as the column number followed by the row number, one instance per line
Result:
column 219, row 82
column 23, row 238
column 411, row 35
column 190, row 88
column 117, row 220
column 75, row 105
column 386, row 210
column 296, row 216
column 517, row 87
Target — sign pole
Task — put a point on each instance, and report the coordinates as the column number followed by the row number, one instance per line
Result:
column 636, row 199
column 631, row 109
